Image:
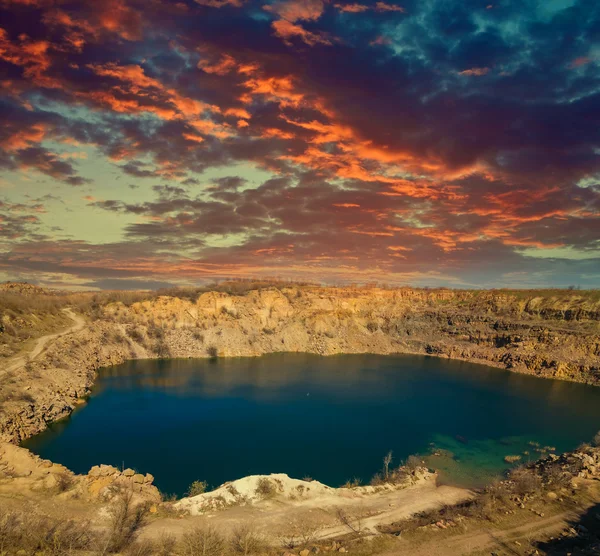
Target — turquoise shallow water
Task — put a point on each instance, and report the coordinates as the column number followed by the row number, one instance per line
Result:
column 330, row 418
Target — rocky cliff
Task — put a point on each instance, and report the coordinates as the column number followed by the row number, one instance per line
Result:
column 548, row 334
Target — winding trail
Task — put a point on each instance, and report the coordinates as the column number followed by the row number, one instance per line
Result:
column 20, row 361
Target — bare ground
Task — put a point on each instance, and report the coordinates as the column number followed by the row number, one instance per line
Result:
column 20, row 361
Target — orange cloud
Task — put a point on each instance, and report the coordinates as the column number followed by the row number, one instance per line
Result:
column 475, row 72
column 22, row 138
column 286, row 30
column 278, row 89
column 294, row 10
column 276, row 132
column 352, row 8
column 238, row 113
column 31, row 55
column 225, row 65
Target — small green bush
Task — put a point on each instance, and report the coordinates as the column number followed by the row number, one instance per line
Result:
column 196, row 488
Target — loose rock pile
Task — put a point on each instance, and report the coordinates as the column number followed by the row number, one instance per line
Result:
column 104, row 479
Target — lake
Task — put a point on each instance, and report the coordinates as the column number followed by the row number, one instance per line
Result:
column 329, row 418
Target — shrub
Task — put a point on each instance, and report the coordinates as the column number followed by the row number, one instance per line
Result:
column 372, row 326
column 165, row 545
column 141, row 548
column 162, row 349
column 203, row 541
column 596, row 440
column 526, row 481
column 196, row 488
column 246, row 540
column 265, row 488
column 156, row 332
column 212, row 352
column 31, row 533
column 64, row 481
column 136, row 335
column 412, row 463
column 126, row 521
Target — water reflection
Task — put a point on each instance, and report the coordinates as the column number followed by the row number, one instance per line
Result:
column 332, row 418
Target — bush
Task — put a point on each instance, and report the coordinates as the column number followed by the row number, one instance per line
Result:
column 197, row 335
column 64, row 481
column 156, row 332
column 526, row 481
column 596, row 440
column 412, row 463
column 126, row 521
column 196, row 488
column 32, row 533
column 212, row 352
column 162, row 349
column 203, row 541
column 266, row 488
column 141, row 548
column 246, row 540
column 136, row 335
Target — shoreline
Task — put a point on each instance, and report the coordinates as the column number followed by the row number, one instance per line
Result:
column 96, row 353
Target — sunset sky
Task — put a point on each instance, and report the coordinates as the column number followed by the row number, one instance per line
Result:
column 425, row 142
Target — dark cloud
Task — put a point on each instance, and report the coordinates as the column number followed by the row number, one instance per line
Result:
column 407, row 137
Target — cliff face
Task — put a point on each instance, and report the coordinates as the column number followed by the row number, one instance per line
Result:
column 556, row 336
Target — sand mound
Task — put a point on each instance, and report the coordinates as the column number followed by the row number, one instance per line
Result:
column 254, row 488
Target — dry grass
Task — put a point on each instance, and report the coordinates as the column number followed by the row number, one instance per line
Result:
column 31, row 533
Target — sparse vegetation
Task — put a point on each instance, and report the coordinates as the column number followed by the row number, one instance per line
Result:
column 245, row 541
column 64, row 481
column 31, row 533
column 126, row 520
column 266, row 488
column 196, row 488
column 203, row 541
column 386, row 465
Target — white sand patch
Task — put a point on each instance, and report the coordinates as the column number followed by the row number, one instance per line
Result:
column 257, row 488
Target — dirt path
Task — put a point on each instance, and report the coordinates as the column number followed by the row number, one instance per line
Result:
column 21, row 360
column 487, row 539
column 504, row 540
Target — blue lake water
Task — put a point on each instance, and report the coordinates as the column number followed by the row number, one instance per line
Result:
column 330, row 418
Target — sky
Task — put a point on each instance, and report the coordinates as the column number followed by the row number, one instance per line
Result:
column 145, row 143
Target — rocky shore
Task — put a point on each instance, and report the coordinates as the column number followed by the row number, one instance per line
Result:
column 553, row 336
